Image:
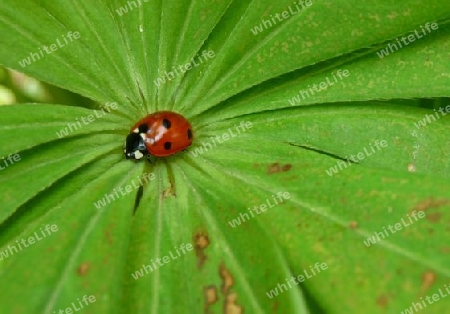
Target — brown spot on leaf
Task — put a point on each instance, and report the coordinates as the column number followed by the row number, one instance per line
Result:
column 276, row 167
column 105, row 260
column 434, row 217
column 83, row 268
column 211, row 297
column 108, row 237
column 170, row 191
column 275, row 307
column 286, row 167
column 230, row 305
column 430, row 203
column 353, row 224
column 428, row 279
column 201, row 242
column 382, row 301
column 292, row 178
column 227, row 279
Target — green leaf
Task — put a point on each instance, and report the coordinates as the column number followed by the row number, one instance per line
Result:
column 217, row 266
column 302, row 40
column 62, row 122
column 79, row 251
column 420, row 70
column 415, row 143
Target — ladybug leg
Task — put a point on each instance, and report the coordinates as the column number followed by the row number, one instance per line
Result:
column 149, row 158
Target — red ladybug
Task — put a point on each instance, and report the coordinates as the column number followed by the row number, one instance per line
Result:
column 160, row 134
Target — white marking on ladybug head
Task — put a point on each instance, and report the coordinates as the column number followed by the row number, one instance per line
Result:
column 136, row 130
column 138, row 155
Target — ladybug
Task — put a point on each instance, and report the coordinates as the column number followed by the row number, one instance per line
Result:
column 159, row 134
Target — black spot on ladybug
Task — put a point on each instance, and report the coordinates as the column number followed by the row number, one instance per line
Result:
column 189, row 134
column 166, row 123
column 143, row 128
column 167, row 145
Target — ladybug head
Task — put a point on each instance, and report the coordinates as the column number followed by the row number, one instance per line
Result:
column 135, row 147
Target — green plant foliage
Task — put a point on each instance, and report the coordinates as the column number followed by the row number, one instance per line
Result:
column 281, row 117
